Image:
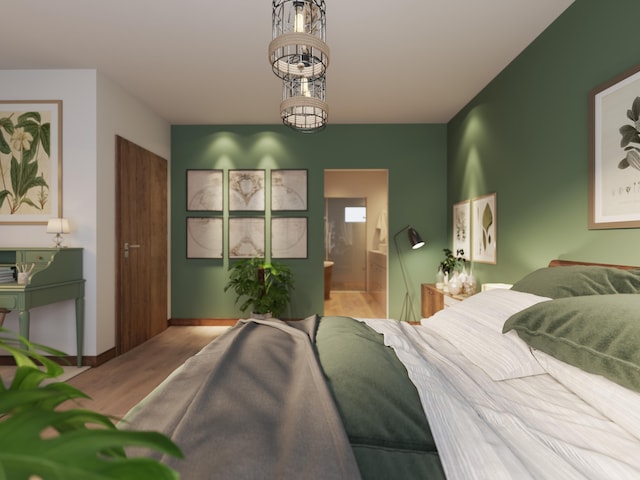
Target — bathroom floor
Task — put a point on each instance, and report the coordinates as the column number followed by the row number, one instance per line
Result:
column 353, row 304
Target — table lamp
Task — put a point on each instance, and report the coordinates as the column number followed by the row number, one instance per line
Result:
column 58, row 226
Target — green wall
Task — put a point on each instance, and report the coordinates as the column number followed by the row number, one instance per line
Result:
column 415, row 156
column 526, row 137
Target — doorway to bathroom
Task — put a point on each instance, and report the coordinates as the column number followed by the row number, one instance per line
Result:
column 356, row 237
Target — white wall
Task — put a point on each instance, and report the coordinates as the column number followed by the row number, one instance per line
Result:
column 118, row 114
column 94, row 110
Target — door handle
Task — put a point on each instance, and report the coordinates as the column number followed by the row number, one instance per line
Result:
column 127, row 247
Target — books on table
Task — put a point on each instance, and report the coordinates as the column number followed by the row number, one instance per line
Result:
column 7, row 275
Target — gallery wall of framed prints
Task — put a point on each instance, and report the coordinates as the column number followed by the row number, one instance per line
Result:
column 233, row 208
column 475, row 229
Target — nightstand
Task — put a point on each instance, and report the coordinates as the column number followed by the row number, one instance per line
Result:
column 434, row 300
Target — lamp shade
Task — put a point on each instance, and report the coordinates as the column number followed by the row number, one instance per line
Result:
column 58, row 225
column 415, row 239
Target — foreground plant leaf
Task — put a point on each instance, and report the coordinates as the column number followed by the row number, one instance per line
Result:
column 37, row 440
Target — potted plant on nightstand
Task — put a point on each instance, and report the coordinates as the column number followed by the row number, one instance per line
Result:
column 265, row 287
column 450, row 266
column 452, row 262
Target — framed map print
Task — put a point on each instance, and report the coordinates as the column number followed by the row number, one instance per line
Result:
column 483, row 221
column 289, row 237
column 289, row 190
column 204, row 237
column 246, row 237
column 246, row 190
column 205, row 190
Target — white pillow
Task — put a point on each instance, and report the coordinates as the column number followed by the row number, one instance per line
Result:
column 474, row 327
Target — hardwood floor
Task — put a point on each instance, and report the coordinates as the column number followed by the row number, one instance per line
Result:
column 353, row 304
column 117, row 385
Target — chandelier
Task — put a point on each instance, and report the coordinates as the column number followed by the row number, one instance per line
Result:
column 299, row 56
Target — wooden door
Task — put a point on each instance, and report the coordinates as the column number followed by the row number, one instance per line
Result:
column 141, row 236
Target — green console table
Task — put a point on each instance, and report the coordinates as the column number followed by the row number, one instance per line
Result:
column 56, row 276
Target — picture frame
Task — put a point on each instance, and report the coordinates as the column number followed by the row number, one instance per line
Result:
column 205, row 190
column 246, row 237
column 289, row 189
column 614, row 153
column 289, row 237
column 462, row 228
column 484, row 229
column 25, row 124
column 205, row 237
column 246, row 190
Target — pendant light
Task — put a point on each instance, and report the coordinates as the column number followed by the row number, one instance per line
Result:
column 299, row 56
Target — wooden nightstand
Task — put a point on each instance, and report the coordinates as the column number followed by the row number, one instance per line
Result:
column 434, row 300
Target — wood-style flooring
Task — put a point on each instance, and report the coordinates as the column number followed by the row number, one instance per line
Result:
column 119, row 384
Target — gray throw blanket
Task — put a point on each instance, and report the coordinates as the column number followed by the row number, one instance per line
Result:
column 253, row 404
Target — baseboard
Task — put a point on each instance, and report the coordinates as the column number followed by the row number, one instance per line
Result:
column 198, row 322
column 87, row 361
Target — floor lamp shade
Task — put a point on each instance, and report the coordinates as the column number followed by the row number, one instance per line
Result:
column 415, row 239
column 407, row 313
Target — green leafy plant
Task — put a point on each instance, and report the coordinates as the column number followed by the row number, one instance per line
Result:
column 25, row 139
column 39, row 440
column 452, row 262
column 265, row 287
column 631, row 138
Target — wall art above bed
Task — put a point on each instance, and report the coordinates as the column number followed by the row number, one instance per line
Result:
column 462, row 228
column 614, row 173
column 483, row 223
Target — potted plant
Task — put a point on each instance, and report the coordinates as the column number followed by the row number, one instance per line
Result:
column 452, row 262
column 265, row 287
column 79, row 443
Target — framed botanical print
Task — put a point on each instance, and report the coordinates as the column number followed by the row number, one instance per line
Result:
column 204, row 237
column 614, row 173
column 289, row 237
column 205, row 190
column 289, row 190
column 462, row 229
column 484, row 237
column 30, row 161
column 246, row 237
column 246, row 190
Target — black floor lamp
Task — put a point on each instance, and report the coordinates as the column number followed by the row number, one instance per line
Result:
column 416, row 242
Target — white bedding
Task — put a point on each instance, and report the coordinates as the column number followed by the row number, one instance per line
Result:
column 542, row 421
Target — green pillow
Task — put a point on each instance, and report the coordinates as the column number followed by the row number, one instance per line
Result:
column 599, row 333
column 575, row 280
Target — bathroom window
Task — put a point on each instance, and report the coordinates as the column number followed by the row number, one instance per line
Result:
column 355, row 214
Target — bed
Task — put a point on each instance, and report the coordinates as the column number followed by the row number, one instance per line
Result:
column 540, row 381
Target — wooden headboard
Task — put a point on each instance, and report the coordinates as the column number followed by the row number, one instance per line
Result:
column 564, row 263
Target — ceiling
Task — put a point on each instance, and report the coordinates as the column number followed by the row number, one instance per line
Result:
column 205, row 61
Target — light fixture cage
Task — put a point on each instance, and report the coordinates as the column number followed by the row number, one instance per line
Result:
column 303, row 106
column 299, row 48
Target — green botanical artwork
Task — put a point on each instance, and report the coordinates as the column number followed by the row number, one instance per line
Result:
column 487, row 221
column 26, row 169
column 631, row 138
